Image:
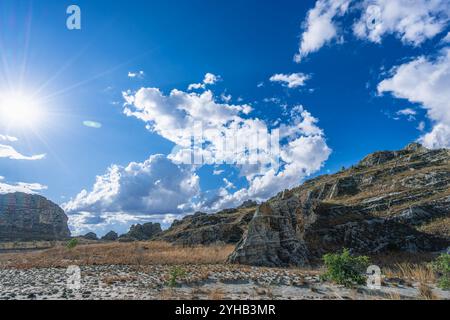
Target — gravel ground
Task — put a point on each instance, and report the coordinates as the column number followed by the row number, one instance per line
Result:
column 194, row 282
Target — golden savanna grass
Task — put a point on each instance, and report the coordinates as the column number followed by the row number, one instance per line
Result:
column 412, row 267
column 422, row 273
column 137, row 254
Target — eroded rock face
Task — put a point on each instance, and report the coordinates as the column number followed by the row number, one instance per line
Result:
column 272, row 238
column 26, row 217
column 227, row 226
column 380, row 205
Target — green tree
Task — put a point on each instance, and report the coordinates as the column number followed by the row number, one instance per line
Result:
column 442, row 267
column 345, row 269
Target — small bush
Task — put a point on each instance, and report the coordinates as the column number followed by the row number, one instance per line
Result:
column 175, row 274
column 344, row 269
column 72, row 244
column 442, row 267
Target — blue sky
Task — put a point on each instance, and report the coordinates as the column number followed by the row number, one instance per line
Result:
column 361, row 88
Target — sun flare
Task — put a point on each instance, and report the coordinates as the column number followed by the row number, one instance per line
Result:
column 18, row 109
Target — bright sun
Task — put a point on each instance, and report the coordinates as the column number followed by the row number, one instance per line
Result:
column 19, row 110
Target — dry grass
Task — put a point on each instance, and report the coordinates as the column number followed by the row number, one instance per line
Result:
column 426, row 293
column 167, row 294
column 32, row 245
column 137, row 254
column 110, row 280
column 439, row 227
column 394, row 296
column 422, row 273
column 216, row 294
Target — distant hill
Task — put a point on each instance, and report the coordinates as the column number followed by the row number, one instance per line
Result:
column 27, row 217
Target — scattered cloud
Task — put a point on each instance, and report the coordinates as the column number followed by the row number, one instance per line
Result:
column 421, row 126
column 8, row 138
column 320, row 27
column 210, row 79
column 407, row 112
column 425, row 81
column 136, row 75
column 293, row 80
column 413, row 22
column 11, row 153
column 228, row 185
column 92, row 124
column 226, row 97
column 446, row 39
column 31, row 188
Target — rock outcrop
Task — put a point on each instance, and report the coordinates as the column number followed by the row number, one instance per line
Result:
column 385, row 203
column 26, row 217
column 227, row 226
column 90, row 236
column 110, row 236
column 142, row 232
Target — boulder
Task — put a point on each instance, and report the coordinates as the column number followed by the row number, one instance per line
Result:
column 27, row 217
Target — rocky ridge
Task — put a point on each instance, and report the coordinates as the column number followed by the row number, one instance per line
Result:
column 381, row 204
column 142, row 232
column 226, row 226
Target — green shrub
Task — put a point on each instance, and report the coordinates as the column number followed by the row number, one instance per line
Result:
column 344, row 269
column 72, row 244
column 442, row 267
column 175, row 274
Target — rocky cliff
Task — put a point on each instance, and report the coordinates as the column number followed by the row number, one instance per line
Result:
column 390, row 201
column 26, row 217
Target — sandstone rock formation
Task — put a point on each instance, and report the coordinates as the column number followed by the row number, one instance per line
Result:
column 227, row 226
column 390, row 201
column 26, row 217
column 142, row 232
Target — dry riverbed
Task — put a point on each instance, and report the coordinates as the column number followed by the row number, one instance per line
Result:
column 198, row 282
column 159, row 270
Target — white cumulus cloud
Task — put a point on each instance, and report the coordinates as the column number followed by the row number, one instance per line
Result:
column 174, row 117
column 425, row 81
column 156, row 186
